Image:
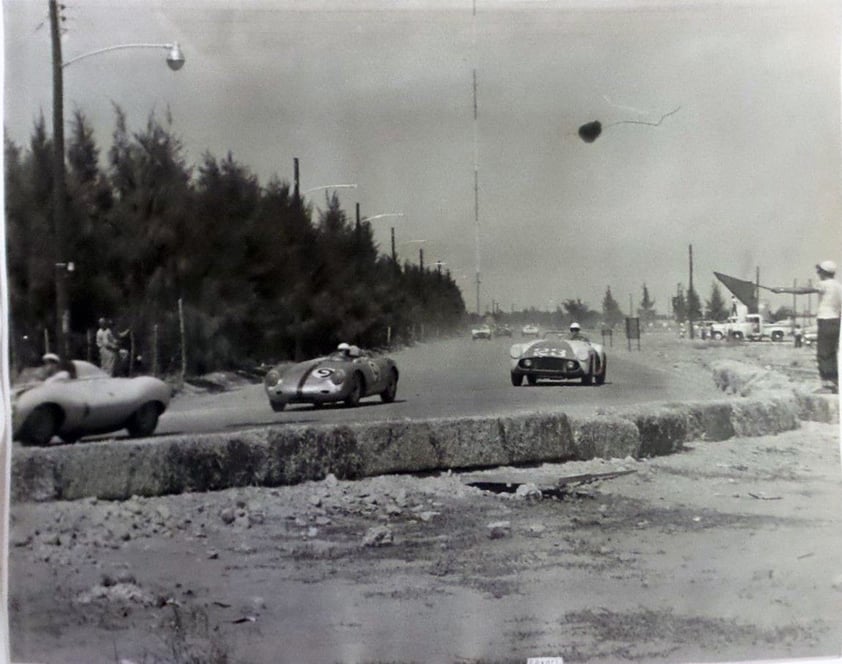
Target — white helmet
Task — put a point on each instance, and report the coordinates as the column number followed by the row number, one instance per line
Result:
column 343, row 346
column 575, row 326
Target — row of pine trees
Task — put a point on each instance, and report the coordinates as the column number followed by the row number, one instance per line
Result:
column 259, row 279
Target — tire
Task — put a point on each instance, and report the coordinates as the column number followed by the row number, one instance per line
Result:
column 738, row 336
column 600, row 377
column 40, row 426
column 144, row 421
column 71, row 437
column 517, row 379
column 353, row 398
column 532, row 380
column 388, row 395
column 587, row 379
column 716, row 336
column 278, row 406
column 777, row 335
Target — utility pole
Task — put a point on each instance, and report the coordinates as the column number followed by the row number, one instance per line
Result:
column 421, row 259
column 394, row 253
column 689, row 311
column 61, row 263
column 476, row 156
column 296, row 191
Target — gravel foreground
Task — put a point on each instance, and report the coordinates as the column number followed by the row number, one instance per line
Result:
column 726, row 551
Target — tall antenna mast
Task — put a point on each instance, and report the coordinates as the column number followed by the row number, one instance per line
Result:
column 476, row 157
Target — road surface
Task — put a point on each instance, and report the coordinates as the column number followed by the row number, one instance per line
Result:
column 460, row 378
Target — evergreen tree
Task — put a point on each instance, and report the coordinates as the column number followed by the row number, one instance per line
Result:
column 679, row 307
column 611, row 310
column 646, row 312
column 715, row 307
column 694, row 305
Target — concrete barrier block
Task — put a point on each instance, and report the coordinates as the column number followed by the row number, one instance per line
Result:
column 606, row 437
column 817, row 407
column 662, row 430
column 709, row 421
column 760, row 417
column 536, row 437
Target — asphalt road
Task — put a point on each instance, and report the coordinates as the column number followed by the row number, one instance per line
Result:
column 462, row 378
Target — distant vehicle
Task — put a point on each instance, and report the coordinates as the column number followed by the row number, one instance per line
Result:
column 91, row 403
column 751, row 327
column 346, row 375
column 529, row 330
column 481, row 332
column 810, row 335
column 555, row 357
column 502, row 331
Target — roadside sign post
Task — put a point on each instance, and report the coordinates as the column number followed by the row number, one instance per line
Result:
column 633, row 331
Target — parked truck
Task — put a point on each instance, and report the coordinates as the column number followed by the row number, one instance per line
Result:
column 752, row 327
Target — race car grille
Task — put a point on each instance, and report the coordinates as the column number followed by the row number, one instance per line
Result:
column 553, row 364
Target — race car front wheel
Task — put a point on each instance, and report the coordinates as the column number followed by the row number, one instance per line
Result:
column 517, row 379
column 144, row 421
column 40, row 426
column 388, row 395
column 356, row 393
column 587, row 378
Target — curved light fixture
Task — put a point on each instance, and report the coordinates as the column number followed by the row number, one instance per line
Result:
column 175, row 58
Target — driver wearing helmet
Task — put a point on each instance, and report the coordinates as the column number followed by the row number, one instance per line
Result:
column 576, row 332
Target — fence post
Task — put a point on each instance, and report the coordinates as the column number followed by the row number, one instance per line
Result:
column 46, row 340
column 155, row 349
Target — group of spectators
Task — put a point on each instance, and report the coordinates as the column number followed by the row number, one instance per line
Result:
column 113, row 359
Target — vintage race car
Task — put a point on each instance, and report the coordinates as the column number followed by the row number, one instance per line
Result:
column 529, row 330
column 481, row 332
column 91, row 403
column 502, row 331
column 556, row 357
column 346, row 375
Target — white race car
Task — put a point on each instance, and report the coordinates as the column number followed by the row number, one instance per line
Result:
column 92, row 402
column 556, row 357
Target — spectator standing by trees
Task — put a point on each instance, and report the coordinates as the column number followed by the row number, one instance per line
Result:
column 108, row 346
column 828, row 315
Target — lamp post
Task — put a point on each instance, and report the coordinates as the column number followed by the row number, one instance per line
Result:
column 392, row 230
column 63, row 266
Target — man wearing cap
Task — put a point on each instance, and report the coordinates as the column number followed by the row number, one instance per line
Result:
column 55, row 369
column 576, row 333
column 828, row 315
column 107, row 344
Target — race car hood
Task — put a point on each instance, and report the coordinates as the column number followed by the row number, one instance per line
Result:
column 551, row 348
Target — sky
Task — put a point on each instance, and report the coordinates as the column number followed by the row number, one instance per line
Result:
column 745, row 167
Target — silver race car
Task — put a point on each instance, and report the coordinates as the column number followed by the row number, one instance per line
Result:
column 557, row 357
column 346, row 375
column 91, row 402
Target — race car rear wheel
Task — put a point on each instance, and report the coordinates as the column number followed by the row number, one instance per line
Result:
column 40, row 426
column 356, row 393
column 144, row 421
column 517, row 379
column 388, row 395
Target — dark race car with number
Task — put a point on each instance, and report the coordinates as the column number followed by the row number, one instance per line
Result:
column 555, row 357
column 346, row 375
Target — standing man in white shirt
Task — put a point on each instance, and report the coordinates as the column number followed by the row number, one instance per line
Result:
column 828, row 315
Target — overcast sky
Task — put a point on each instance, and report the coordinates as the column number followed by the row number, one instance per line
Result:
column 380, row 94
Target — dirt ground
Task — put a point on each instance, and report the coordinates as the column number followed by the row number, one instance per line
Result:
column 727, row 551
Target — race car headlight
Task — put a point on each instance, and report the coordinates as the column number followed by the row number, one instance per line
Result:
column 337, row 377
column 527, row 363
column 273, row 378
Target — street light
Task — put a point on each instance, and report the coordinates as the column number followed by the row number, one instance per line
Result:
column 329, row 186
column 63, row 266
column 385, row 215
